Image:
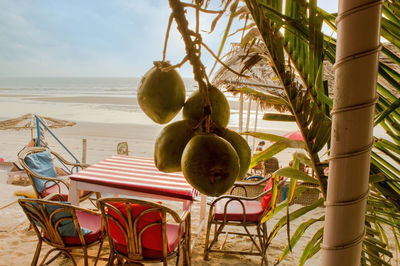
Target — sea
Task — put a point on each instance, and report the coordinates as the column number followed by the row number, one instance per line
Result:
column 34, row 95
column 78, row 86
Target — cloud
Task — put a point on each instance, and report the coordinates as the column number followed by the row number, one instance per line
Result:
column 91, row 38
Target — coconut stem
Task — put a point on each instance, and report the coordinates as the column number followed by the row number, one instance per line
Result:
column 192, row 53
column 167, row 36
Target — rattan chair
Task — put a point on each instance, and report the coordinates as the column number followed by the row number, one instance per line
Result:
column 138, row 231
column 266, row 167
column 61, row 186
column 238, row 211
column 47, row 217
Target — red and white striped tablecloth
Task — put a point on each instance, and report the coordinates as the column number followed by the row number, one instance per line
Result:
column 136, row 174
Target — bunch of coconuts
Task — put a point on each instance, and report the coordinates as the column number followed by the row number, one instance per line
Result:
column 211, row 158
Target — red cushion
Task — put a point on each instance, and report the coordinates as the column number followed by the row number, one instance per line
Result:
column 172, row 238
column 267, row 198
column 234, row 211
column 54, row 189
column 151, row 237
column 64, row 191
column 89, row 221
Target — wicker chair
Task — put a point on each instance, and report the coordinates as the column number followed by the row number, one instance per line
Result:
column 245, row 212
column 138, row 232
column 47, row 217
column 266, row 167
column 60, row 186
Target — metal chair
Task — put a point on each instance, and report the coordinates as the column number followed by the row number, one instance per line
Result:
column 238, row 211
column 60, row 186
column 61, row 226
column 138, row 231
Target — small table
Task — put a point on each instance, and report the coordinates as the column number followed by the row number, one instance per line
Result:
column 135, row 176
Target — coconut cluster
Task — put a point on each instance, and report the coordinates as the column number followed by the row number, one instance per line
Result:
column 210, row 161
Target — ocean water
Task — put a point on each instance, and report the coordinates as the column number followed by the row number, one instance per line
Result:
column 103, row 100
column 78, row 86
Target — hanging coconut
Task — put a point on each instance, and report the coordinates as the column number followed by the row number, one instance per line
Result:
column 170, row 143
column 242, row 149
column 161, row 94
column 220, row 112
column 210, row 164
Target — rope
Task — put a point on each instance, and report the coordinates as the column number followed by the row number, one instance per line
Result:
column 357, row 55
column 352, row 154
column 354, row 107
column 355, row 242
column 358, row 9
column 348, row 202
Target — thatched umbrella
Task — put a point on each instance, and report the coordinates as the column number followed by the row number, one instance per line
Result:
column 259, row 77
column 28, row 121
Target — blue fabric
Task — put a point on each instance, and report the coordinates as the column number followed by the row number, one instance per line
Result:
column 65, row 228
column 42, row 164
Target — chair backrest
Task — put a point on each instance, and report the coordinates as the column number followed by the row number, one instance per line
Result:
column 56, row 219
column 134, row 226
column 268, row 201
column 271, row 165
column 35, row 177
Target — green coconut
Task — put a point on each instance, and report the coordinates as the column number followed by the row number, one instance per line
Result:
column 161, row 94
column 194, row 107
column 242, row 149
column 170, row 143
column 210, row 164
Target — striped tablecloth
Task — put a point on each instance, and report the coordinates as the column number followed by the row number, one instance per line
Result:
column 136, row 174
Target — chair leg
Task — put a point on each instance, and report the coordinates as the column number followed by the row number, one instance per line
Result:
column 111, row 258
column 180, row 247
column 37, row 253
column 207, row 240
column 85, row 256
column 98, row 252
column 262, row 246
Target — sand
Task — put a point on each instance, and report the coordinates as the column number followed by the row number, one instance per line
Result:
column 104, row 122
column 17, row 244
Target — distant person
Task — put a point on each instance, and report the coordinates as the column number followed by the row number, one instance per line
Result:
column 260, row 146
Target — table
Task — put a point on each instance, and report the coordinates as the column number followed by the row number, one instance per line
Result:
column 135, row 176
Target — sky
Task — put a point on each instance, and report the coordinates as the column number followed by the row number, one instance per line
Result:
column 96, row 38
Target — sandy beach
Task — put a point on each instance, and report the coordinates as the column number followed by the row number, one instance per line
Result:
column 103, row 125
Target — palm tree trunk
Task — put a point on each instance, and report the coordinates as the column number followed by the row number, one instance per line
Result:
column 357, row 52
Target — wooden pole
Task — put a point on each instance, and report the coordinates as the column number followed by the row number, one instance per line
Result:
column 248, row 117
column 255, row 123
column 241, row 113
column 356, row 68
column 84, row 150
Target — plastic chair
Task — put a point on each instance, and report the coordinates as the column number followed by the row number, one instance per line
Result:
column 51, row 184
column 62, row 226
column 238, row 211
column 138, row 231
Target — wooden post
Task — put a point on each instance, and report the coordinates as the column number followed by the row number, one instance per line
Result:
column 241, row 113
column 248, row 117
column 84, row 150
column 255, row 123
column 356, row 71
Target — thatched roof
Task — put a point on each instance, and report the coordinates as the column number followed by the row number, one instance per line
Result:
column 28, row 121
column 261, row 76
column 389, row 62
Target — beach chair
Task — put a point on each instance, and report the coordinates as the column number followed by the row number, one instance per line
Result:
column 39, row 166
column 229, row 211
column 62, row 226
column 138, row 232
